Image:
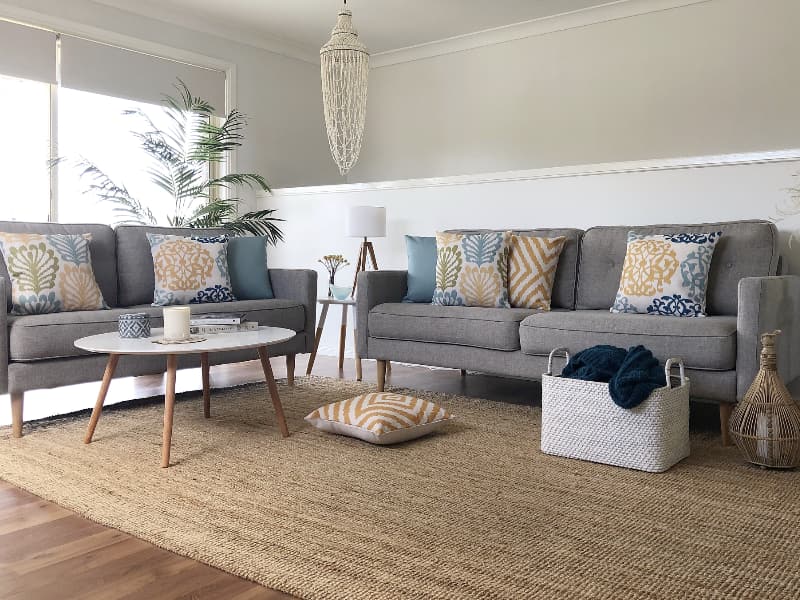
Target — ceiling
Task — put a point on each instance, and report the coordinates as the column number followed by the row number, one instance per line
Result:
column 384, row 25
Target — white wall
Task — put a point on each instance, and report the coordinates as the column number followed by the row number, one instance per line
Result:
column 285, row 138
column 624, row 193
column 711, row 78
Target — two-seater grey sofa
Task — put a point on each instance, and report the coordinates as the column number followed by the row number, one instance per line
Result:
column 38, row 352
column 745, row 297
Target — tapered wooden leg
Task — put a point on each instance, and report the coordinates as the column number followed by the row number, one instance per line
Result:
column 342, row 336
column 355, row 348
column 389, row 367
column 17, row 400
column 371, row 251
column 204, row 367
column 111, row 366
column 273, row 390
column 463, row 372
column 381, row 375
column 169, row 409
column 290, row 369
column 321, row 324
column 360, row 261
column 725, row 410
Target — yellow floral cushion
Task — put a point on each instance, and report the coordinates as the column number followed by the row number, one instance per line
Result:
column 380, row 418
column 532, row 264
column 50, row 273
column 472, row 269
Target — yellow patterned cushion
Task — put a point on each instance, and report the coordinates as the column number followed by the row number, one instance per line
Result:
column 532, row 264
column 50, row 273
column 380, row 418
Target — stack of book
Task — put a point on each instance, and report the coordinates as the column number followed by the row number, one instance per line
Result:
column 204, row 324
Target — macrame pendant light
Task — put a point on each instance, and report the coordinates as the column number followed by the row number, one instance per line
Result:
column 766, row 424
column 345, row 64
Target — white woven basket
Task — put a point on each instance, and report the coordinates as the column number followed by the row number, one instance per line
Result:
column 580, row 420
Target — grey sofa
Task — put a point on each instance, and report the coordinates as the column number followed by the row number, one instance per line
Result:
column 37, row 351
column 745, row 297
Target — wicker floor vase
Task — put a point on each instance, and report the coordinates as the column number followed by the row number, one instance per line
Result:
column 765, row 425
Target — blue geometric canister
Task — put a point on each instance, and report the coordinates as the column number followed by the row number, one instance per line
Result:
column 134, row 325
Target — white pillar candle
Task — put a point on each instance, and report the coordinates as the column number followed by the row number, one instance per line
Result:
column 176, row 323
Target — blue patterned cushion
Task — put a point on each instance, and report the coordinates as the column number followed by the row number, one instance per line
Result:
column 666, row 274
column 190, row 270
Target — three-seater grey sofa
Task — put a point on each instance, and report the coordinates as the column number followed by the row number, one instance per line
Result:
column 745, row 297
column 38, row 352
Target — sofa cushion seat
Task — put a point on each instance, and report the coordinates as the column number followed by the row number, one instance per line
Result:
column 490, row 328
column 702, row 342
column 38, row 337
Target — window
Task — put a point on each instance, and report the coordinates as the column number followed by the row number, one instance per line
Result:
column 25, row 150
column 93, row 127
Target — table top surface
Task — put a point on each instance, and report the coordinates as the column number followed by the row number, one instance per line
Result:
column 111, row 343
column 332, row 300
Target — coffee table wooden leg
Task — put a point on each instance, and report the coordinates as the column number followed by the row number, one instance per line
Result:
column 204, row 367
column 321, row 324
column 355, row 347
column 169, row 409
column 273, row 390
column 111, row 366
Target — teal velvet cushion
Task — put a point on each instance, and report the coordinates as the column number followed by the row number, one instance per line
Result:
column 421, row 268
column 247, row 263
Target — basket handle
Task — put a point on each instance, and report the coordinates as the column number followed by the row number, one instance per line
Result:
column 553, row 352
column 674, row 362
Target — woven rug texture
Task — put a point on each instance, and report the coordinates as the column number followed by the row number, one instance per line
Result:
column 474, row 511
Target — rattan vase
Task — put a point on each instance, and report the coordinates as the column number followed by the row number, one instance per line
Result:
column 766, row 424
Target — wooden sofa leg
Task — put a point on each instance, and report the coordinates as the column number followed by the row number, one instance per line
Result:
column 725, row 410
column 381, row 375
column 290, row 369
column 17, row 399
column 463, row 372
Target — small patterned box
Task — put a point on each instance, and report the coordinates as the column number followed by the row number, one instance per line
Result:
column 134, row 325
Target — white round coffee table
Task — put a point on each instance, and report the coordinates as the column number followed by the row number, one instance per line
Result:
column 115, row 346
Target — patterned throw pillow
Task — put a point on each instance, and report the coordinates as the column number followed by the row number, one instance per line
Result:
column 50, row 273
column 666, row 274
column 472, row 270
column 190, row 270
column 532, row 264
column 381, row 418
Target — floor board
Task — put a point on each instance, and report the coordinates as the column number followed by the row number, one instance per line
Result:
column 48, row 552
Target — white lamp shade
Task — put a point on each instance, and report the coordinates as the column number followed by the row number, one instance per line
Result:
column 366, row 221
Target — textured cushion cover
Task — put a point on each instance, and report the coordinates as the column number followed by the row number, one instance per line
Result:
column 135, row 260
column 421, row 268
column 472, row 270
column 381, row 418
column 491, row 328
column 247, row 264
column 190, row 270
column 666, row 274
column 37, row 337
column 746, row 249
column 532, row 264
column 50, row 273
column 708, row 343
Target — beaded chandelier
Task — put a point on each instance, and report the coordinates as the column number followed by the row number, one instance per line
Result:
column 345, row 64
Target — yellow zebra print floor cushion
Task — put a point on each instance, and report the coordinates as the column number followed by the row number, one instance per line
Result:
column 380, row 418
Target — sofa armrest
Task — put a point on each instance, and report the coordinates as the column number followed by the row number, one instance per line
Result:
column 3, row 337
column 373, row 288
column 766, row 304
column 299, row 285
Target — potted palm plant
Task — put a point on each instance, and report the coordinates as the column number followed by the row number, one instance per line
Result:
column 184, row 155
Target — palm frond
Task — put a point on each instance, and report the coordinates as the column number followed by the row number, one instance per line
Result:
column 259, row 222
column 129, row 209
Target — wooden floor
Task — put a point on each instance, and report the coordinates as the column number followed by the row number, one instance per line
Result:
column 50, row 553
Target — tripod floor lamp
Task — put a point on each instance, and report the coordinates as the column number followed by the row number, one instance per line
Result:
column 366, row 222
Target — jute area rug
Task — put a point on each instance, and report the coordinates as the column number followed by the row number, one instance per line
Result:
column 475, row 511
